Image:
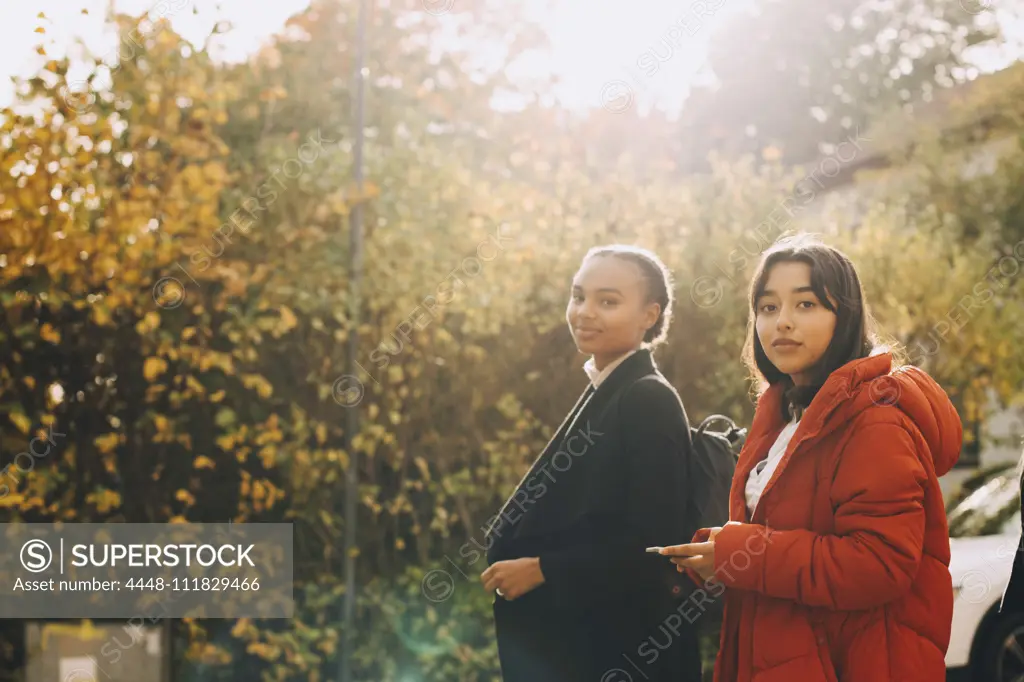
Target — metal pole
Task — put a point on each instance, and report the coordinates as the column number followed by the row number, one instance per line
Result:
column 355, row 303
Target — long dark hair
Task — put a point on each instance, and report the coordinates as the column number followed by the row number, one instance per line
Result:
column 658, row 281
column 835, row 282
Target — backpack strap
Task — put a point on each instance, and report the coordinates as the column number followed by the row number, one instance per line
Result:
column 735, row 435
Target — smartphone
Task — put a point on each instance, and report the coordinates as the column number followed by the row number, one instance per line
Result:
column 654, row 550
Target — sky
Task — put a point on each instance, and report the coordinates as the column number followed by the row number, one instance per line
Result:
column 64, row 23
column 596, row 44
column 600, row 48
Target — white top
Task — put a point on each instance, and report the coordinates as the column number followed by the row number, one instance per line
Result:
column 762, row 473
column 597, row 376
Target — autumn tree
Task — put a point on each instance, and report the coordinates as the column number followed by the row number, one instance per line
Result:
column 799, row 75
column 175, row 299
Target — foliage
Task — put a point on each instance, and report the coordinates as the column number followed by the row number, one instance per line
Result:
column 797, row 75
column 175, row 299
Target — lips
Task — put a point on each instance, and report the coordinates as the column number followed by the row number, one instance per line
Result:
column 580, row 331
column 784, row 343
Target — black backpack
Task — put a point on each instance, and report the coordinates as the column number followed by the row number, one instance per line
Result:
column 714, row 457
column 715, row 454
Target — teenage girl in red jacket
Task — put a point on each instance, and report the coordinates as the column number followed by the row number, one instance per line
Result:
column 835, row 562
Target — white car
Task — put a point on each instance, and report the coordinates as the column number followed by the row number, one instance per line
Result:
column 984, row 531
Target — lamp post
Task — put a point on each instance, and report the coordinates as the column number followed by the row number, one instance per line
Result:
column 355, row 305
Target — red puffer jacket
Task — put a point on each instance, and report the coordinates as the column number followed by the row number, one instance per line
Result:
column 843, row 573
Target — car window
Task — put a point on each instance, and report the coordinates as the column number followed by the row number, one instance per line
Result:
column 991, row 508
column 976, row 480
column 1012, row 525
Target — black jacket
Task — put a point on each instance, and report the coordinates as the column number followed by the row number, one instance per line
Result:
column 611, row 482
column 1013, row 597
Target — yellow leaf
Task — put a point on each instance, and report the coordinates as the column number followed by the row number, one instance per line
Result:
column 241, row 625
column 21, row 421
column 148, row 323
column 101, row 314
column 203, row 462
column 288, row 319
column 107, row 442
column 40, row 29
column 41, row 51
column 11, row 500
column 265, row 651
column 105, row 500
column 365, row 193
column 153, row 367
column 48, row 333
column 268, row 455
column 262, row 386
column 185, row 496
column 270, row 94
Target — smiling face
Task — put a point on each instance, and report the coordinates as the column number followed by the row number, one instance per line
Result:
column 609, row 311
column 793, row 326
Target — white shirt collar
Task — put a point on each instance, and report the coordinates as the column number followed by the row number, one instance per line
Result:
column 598, row 376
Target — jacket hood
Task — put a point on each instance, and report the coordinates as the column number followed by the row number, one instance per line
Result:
column 872, row 382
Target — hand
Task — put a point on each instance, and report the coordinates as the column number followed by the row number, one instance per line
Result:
column 514, row 578
column 698, row 556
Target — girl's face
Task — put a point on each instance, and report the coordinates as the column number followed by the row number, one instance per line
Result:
column 794, row 328
column 608, row 312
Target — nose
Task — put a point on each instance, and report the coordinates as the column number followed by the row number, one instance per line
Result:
column 784, row 322
column 585, row 310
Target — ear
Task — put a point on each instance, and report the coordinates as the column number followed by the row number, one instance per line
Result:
column 652, row 311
